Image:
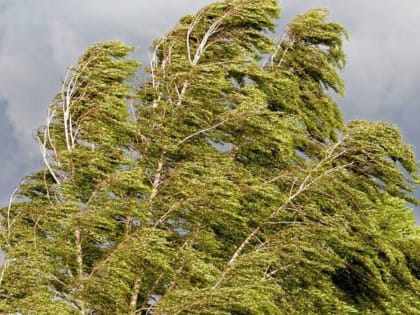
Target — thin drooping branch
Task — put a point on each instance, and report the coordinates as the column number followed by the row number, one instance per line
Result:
column 283, row 56
column 213, row 29
column 45, row 158
column 3, row 270
column 156, row 71
column 154, row 61
column 271, row 57
column 190, row 29
column 43, row 145
column 50, row 117
column 9, row 209
column 35, row 227
column 170, row 210
column 68, row 90
column 202, row 131
column 276, row 178
column 148, row 295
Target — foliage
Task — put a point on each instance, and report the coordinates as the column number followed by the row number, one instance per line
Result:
column 226, row 183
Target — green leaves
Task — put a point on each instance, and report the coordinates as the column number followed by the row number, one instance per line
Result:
column 304, row 66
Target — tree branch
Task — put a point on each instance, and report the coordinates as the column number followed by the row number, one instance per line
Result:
column 202, row 131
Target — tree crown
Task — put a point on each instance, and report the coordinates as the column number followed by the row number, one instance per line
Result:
column 225, row 183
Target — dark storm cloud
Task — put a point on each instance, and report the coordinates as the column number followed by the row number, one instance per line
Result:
column 40, row 39
column 14, row 164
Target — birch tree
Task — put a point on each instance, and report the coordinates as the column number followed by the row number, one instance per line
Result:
column 226, row 182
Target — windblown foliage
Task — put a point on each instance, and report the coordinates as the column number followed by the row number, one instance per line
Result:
column 225, row 183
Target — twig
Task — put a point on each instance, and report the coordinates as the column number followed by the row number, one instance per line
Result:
column 170, row 210
column 201, row 131
column 213, row 29
column 9, row 208
column 43, row 148
column 3, row 270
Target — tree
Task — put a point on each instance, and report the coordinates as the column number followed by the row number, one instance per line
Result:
column 226, row 183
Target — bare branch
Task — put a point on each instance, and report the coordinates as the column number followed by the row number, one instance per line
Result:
column 190, row 29
column 278, row 46
column 50, row 117
column 183, row 90
column 9, row 209
column 66, row 104
column 3, row 270
column 154, row 61
column 210, row 32
column 213, row 29
column 276, row 178
column 284, row 53
column 68, row 89
column 44, row 153
column 170, row 210
column 202, row 131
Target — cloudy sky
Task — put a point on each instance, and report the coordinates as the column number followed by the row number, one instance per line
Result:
column 39, row 39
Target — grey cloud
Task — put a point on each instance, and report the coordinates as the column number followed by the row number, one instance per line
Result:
column 14, row 164
column 5, row 5
column 41, row 39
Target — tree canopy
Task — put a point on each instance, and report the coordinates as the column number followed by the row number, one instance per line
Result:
column 226, row 182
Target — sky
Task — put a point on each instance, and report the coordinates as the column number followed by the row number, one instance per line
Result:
column 40, row 39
